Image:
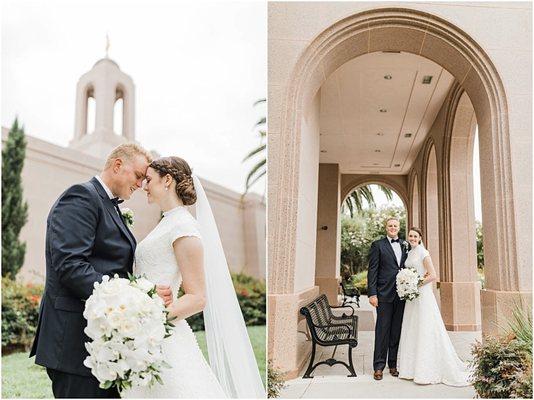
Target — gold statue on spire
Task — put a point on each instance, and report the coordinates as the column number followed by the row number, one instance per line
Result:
column 107, row 45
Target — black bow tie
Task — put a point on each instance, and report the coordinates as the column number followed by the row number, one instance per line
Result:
column 116, row 201
column 395, row 240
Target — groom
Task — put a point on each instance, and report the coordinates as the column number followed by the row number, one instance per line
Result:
column 386, row 259
column 86, row 238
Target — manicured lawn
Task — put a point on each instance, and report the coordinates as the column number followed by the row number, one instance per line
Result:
column 21, row 378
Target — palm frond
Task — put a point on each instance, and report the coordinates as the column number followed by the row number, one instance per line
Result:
column 387, row 191
column 258, row 167
column 262, row 121
column 256, row 179
column 366, row 193
column 257, row 150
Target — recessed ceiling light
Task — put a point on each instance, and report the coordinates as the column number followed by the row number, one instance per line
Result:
column 397, row 165
column 323, row 151
column 379, row 134
column 383, row 110
column 377, row 151
column 387, row 77
column 427, row 79
column 407, row 135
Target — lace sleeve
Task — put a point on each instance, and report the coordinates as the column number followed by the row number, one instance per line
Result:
column 424, row 253
column 183, row 230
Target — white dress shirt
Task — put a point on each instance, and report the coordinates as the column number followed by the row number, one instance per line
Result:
column 396, row 249
column 108, row 191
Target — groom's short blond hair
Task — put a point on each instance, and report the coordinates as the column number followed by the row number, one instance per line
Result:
column 391, row 219
column 127, row 151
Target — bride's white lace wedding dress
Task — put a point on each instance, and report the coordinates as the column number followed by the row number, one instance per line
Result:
column 190, row 376
column 426, row 353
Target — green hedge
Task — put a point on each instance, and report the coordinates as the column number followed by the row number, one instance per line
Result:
column 20, row 311
column 359, row 281
column 251, row 294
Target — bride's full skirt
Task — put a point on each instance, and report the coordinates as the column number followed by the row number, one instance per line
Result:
column 426, row 353
column 190, row 376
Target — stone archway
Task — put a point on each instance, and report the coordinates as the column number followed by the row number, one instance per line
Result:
column 333, row 190
column 293, row 185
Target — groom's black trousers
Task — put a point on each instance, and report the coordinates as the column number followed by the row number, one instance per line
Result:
column 65, row 385
column 387, row 333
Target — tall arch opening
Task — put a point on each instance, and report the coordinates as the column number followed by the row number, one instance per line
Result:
column 298, row 136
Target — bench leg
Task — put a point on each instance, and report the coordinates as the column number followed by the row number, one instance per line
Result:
column 334, row 352
column 310, row 368
column 351, row 364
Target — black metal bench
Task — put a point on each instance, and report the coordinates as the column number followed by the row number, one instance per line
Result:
column 327, row 329
column 349, row 294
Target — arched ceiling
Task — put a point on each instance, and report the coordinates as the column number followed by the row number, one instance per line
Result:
column 355, row 133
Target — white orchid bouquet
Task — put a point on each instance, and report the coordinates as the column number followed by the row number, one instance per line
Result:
column 408, row 282
column 127, row 322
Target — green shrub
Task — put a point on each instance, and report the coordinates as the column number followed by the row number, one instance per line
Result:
column 359, row 281
column 480, row 244
column 359, row 232
column 20, row 309
column 521, row 326
column 481, row 277
column 502, row 366
column 251, row 295
column 275, row 381
column 20, row 312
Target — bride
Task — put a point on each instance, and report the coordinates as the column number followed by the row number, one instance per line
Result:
column 187, row 252
column 426, row 353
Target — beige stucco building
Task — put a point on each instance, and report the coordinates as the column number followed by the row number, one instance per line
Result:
column 49, row 169
column 393, row 93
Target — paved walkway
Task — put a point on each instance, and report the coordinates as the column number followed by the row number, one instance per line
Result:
column 332, row 382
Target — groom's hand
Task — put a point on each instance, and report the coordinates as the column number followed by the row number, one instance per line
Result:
column 373, row 300
column 165, row 293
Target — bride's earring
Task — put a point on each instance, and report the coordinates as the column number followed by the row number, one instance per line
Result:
column 166, row 188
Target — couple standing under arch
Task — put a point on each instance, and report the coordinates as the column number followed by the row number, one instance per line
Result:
column 426, row 354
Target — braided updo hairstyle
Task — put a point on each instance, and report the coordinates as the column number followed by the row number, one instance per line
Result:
column 181, row 173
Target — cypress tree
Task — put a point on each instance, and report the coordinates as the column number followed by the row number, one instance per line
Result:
column 14, row 209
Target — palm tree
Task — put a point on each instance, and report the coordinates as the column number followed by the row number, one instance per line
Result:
column 355, row 199
column 260, row 168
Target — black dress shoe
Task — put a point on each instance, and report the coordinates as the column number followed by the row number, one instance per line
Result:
column 394, row 372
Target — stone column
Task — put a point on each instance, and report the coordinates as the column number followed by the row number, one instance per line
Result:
column 460, row 290
column 105, row 102
column 328, row 232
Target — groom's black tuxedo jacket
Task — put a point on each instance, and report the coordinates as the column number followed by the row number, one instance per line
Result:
column 85, row 239
column 383, row 269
